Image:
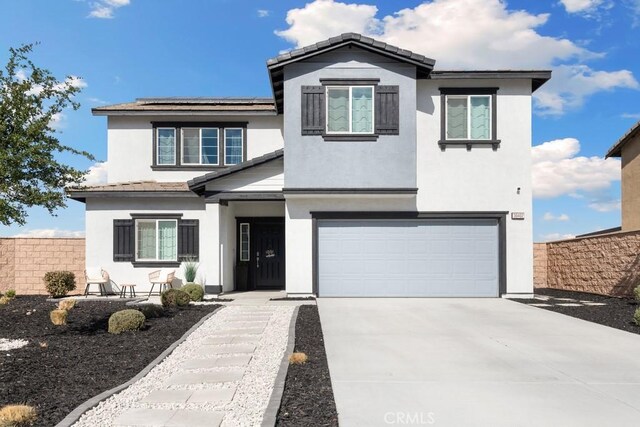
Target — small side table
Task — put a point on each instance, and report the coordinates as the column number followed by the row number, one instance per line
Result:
column 130, row 287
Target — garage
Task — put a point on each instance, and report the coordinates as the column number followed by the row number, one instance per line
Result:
column 408, row 257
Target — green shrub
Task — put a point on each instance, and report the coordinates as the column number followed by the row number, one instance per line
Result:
column 11, row 293
column 151, row 311
column 195, row 291
column 636, row 293
column 59, row 283
column 126, row 320
column 175, row 298
column 190, row 270
column 4, row 300
column 636, row 316
column 58, row 317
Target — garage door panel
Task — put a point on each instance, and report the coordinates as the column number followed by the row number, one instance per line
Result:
column 443, row 258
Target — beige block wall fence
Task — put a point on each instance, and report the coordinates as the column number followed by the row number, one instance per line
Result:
column 24, row 262
column 607, row 264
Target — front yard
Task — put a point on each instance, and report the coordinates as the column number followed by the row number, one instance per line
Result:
column 62, row 366
column 609, row 311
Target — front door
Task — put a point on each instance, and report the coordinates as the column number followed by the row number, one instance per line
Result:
column 266, row 246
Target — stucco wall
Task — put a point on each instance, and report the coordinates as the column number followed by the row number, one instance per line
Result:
column 24, row 262
column 607, row 264
column 631, row 185
column 131, row 137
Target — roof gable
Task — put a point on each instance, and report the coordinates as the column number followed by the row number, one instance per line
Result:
column 616, row 150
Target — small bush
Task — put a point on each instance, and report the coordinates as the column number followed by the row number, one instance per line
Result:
column 636, row 293
column 190, row 270
column 298, row 358
column 636, row 316
column 175, row 298
column 4, row 300
column 58, row 317
column 11, row 293
column 17, row 416
column 126, row 320
column 59, row 283
column 195, row 291
column 151, row 311
column 66, row 304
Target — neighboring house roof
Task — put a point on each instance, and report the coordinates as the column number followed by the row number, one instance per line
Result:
column 276, row 65
column 538, row 77
column 189, row 105
column 134, row 188
column 197, row 184
column 616, row 150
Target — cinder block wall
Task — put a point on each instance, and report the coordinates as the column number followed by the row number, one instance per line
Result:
column 24, row 262
column 608, row 264
column 540, row 265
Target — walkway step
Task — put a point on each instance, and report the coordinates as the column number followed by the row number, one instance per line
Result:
column 239, row 331
column 222, row 395
column 217, row 362
column 207, row 350
column 205, row 377
column 168, row 396
column 192, row 418
column 145, row 417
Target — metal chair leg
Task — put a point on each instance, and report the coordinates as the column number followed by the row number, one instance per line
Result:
column 151, row 291
column 86, row 290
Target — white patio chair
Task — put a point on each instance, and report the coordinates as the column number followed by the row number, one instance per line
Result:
column 163, row 277
column 96, row 276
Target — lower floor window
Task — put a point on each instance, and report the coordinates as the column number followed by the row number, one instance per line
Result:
column 156, row 240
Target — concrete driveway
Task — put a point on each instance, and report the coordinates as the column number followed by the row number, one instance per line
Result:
column 476, row 362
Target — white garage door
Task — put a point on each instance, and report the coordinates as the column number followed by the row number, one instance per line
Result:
column 408, row 258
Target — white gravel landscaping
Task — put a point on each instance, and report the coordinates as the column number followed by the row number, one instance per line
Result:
column 252, row 391
column 7, row 344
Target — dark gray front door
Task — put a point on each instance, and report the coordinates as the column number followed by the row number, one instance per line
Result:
column 267, row 251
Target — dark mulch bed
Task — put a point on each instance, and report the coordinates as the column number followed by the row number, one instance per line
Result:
column 293, row 299
column 81, row 359
column 617, row 313
column 218, row 300
column 308, row 397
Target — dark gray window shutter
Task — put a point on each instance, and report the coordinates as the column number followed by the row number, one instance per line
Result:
column 188, row 239
column 123, row 243
column 387, row 110
column 313, row 110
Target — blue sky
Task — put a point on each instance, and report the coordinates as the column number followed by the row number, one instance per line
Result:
column 124, row 49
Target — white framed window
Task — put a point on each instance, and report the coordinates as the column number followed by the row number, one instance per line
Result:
column 245, row 253
column 156, row 239
column 468, row 117
column 200, row 146
column 233, row 146
column 166, row 146
column 350, row 109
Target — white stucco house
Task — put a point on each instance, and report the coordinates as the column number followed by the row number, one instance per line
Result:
column 368, row 174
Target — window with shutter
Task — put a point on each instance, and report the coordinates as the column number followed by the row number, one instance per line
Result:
column 123, row 240
column 313, row 110
column 188, row 239
column 387, row 110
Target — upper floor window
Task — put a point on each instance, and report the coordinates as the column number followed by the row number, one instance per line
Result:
column 166, row 146
column 233, row 146
column 468, row 117
column 350, row 109
column 198, row 145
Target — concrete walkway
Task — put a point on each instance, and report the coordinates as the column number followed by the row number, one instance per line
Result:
column 476, row 362
column 223, row 374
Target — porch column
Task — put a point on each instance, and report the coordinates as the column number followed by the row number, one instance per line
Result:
column 210, row 247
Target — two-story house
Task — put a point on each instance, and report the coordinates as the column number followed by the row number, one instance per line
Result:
column 369, row 173
column 628, row 149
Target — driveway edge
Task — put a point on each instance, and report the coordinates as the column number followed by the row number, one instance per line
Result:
column 84, row 407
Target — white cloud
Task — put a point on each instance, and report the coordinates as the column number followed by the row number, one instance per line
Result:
column 556, row 236
column 95, row 100
column 635, row 116
column 104, row 9
column 558, row 171
column 58, row 120
column 471, row 34
column 263, row 13
column 97, row 174
column 551, row 217
column 574, row 6
column 605, row 205
column 49, row 232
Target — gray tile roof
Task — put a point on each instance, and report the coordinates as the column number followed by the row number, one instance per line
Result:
column 141, row 186
column 616, row 150
column 197, row 184
column 350, row 37
column 190, row 104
